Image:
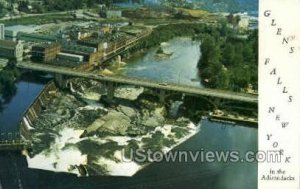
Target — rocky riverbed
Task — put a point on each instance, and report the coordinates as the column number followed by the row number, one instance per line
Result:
column 79, row 132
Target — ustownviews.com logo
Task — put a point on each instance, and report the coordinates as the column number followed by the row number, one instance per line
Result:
column 202, row 155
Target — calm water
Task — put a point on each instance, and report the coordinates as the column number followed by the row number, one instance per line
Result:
column 179, row 68
column 10, row 117
column 176, row 175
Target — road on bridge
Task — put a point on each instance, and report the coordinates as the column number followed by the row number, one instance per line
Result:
column 242, row 97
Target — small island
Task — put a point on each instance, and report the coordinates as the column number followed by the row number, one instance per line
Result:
column 161, row 54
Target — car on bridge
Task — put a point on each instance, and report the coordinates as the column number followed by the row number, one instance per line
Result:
column 163, row 84
column 93, row 76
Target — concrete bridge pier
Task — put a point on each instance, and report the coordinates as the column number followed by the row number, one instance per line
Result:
column 216, row 102
column 162, row 96
column 110, row 89
column 60, row 80
column 119, row 60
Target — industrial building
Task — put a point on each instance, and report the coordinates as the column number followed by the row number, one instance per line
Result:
column 103, row 42
column 91, row 58
column 45, row 52
column 11, row 50
column 11, row 35
column 72, row 58
column 71, row 47
column 95, row 43
column 33, row 37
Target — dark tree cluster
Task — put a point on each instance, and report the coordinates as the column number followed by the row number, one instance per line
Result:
column 8, row 77
column 229, row 62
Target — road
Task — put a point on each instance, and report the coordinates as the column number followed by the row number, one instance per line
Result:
column 242, row 97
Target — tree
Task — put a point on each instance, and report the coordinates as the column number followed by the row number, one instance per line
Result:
column 209, row 52
column 23, row 6
column 228, row 55
column 39, row 8
column 3, row 11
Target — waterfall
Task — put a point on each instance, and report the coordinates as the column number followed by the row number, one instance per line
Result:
column 71, row 88
column 33, row 113
column 82, row 88
column 41, row 101
column 28, row 126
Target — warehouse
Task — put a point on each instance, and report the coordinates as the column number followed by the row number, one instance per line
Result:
column 45, row 52
column 33, row 37
column 72, row 58
column 11, row 50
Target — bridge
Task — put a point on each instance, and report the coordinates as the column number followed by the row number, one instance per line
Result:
column 12, row 142
column 113, row 81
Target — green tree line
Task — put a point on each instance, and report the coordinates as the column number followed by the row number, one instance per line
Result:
column 230, row 63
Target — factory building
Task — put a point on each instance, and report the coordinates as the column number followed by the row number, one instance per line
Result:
column 45, row 52
column 72, row 58
column 33, row 37
column 11, row 35
column 95, row 43
column 71, row 47
column 11, row 50
column 90, row 58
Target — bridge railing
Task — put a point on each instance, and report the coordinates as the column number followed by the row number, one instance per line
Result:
column 124, row 79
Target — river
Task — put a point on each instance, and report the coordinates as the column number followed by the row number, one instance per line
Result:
column 213, row 136
column 180, row 68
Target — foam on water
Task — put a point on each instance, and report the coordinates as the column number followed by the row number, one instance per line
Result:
column 58, row 159
column 91, row 96
column 122, row 168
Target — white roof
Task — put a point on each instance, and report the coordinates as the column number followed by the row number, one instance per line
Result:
column 71, row 55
